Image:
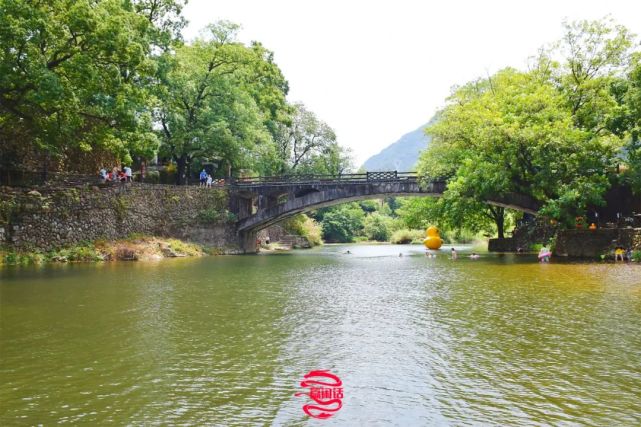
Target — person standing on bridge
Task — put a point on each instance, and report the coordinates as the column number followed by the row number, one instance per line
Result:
column 128, row 174
column 203, row 177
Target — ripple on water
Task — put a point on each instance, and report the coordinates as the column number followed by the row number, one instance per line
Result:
column 416, row 341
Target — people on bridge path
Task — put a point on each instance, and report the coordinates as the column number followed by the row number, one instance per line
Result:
column 210, row 180
column 203, row 178
column 128, row 174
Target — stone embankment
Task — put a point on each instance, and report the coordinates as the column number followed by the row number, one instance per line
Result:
column 594, row 243
column 45, row 218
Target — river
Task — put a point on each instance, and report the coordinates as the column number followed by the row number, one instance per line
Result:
column 226, row 340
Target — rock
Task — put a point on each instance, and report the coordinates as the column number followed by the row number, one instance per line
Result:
column 169, row 252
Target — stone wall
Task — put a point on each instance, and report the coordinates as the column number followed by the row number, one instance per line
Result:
column 49, row 218
column 507, row 244
column 593, row 243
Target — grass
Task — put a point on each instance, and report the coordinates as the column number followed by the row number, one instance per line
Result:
column 405, row 236
column 135, row 247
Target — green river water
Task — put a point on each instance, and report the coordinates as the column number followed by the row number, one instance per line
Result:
column 226, row 340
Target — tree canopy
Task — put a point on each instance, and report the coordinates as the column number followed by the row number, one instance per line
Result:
column 89, row 83
column 74, row 74
column 548, row 132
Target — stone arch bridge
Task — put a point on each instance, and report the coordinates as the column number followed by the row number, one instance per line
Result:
column 259, row 202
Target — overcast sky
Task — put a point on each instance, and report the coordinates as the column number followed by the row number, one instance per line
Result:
column 375, row 70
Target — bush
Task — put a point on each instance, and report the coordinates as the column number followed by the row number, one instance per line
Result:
column 377, row 227
column 152, row 177
column 185, row 248
column 209, row 215
column 405, row 236
column 636, row 256
column 343, row 224
column 306, row 227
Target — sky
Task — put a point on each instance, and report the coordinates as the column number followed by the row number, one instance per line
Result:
column 375, row 70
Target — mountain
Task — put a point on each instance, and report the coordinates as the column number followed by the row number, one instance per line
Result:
column 401, row 155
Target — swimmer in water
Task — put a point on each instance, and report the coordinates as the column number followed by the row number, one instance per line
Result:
column 454, row 254
column 474, row 256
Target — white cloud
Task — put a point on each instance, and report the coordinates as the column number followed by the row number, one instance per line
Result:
column 375, row 70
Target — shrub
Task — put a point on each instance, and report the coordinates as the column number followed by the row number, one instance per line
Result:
column 342, row 224
column 306, row 227
column 636, row 256
column 377, row 227
column 185, row 248
column 152, row 177
column 405, row 236
column 209, row 215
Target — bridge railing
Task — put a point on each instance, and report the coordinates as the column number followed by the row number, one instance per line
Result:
column 23, row 178
column 324, row 179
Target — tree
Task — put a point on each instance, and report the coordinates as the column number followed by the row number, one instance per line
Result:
column 627, row 124
column 308, row 145
column 73, row 75
column 514, row 133
column 377, row 227
column 342, row 224
column 594, row 55
column 217, row 97
column 451, row 213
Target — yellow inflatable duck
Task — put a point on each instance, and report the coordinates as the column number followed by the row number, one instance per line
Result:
column 433, row 240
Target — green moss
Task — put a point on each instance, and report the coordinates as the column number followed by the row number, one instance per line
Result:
column 8, row 210
column 120, row 206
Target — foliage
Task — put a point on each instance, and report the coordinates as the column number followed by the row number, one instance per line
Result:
column 81, row 253
column 209, row 215
column 377, row 227
column 342, row 224
column 308, row 145
column 546, row 133
column 629, row 123
column 217, row 100
column 87, row 83
column 405, row 236
column 74, row 74
column 304, row 226
column 184, row 248
column 137, row 246
column 636, row 256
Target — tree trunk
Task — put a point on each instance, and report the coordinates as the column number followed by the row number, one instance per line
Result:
column 181, row 169
column 500, row 224
column 499, row 219
column 497, row 213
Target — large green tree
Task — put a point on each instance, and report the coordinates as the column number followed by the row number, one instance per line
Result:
column 74, row 75
column 306, row 145
column 218, row 101
column 545, row 133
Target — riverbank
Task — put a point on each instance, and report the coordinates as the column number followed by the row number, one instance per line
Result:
column 134, row 248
